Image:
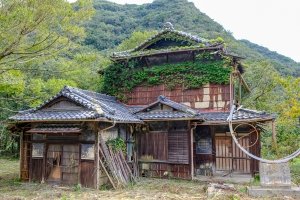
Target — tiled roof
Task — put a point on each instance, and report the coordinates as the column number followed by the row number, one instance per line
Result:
column 183, row 111
column 95, row 105
column 197, row 43
column 55, row 128
column 55, row 115
column 241, row 114
column 179, row 110
column 164, row 115
column 101, row 106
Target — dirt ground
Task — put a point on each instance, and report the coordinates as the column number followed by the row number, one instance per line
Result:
column 12, row 188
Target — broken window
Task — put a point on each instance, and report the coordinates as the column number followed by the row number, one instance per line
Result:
column 37, row 150
column 88, row 151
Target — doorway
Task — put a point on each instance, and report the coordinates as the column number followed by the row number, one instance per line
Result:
column 62, row 163
column 203, row 151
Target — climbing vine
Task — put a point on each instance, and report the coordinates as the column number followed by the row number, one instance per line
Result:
column 120, row 78
column 117, row 144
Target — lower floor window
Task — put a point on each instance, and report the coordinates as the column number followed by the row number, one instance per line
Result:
column 88, row 151
column 37, row 150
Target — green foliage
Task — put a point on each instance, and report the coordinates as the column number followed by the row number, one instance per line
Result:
column 136, row 38
column 295, row 170
column 77, row 187
column 119, row 78
column 113, row 23
column 34, row 28
column 117, row 144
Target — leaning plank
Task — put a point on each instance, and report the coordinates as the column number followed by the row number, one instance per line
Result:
column 107, row 174
column 132, row 177
column 108, row 159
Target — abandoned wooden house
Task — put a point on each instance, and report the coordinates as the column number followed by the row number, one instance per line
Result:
column 172, row 98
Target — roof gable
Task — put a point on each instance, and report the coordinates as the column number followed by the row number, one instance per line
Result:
column 62, row 103
column 169, row 38
column 164, row 104
column 81, row 104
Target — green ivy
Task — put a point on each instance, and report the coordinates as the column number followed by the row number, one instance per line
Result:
column 120, row 78
column 117, row 144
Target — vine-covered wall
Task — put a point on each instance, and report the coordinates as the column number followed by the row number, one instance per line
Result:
column 121, row 78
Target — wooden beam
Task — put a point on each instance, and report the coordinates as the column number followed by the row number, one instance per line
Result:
column 231, row 90
column 97, row 159
column 274, row 140
column 192, row 151
column 243, row 82
column 21, row 154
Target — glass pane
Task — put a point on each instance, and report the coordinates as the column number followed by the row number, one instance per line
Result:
column 179, row 126
column 87, row 136
column 158, row 126
column 37, row 136
column 87, row 151
column 37, row 150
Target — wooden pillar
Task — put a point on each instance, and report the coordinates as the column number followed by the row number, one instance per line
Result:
column 274, row 140
column 21, row 154
column 192, row 151
column 240, row 92
column 231, row 90
column 97, row 159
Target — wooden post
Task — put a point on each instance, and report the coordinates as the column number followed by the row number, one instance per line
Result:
column 21, row 154
column 97, row 159
column 240, row 92
column 192, row 151
column 274, row 140
column 231, row 91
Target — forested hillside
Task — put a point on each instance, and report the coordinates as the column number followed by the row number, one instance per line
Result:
column 71, row 50
column 113, row 23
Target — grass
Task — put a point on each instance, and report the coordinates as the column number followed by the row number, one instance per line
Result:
column 11, row 188
column 295, row 171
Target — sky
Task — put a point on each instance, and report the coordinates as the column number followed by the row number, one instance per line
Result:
column 274, row 24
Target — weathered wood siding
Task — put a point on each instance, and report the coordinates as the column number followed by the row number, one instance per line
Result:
column 165, row 170
column 87, row 173
column 178, row 147
column 230, row 157
column 210, row 96
column 36, row 170
column 155, row 144
column 165, row 153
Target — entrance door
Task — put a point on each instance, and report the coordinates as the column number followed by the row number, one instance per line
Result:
column 62, row 163
column 203, row 151
column 229, row 157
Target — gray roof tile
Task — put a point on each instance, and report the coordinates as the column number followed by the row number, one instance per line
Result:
column 96, row 106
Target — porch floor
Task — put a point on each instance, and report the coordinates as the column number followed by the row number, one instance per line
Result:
column 230, row 178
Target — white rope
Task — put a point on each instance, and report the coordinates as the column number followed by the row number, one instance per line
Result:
column 282, row 160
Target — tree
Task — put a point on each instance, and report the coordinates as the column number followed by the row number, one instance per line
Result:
column 136, row 38
column 32, row 28
column 36, row 40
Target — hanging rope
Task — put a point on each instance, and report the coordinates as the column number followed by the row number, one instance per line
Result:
column 282, row 160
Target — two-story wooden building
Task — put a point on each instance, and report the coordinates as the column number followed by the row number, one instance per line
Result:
column 174, row 92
